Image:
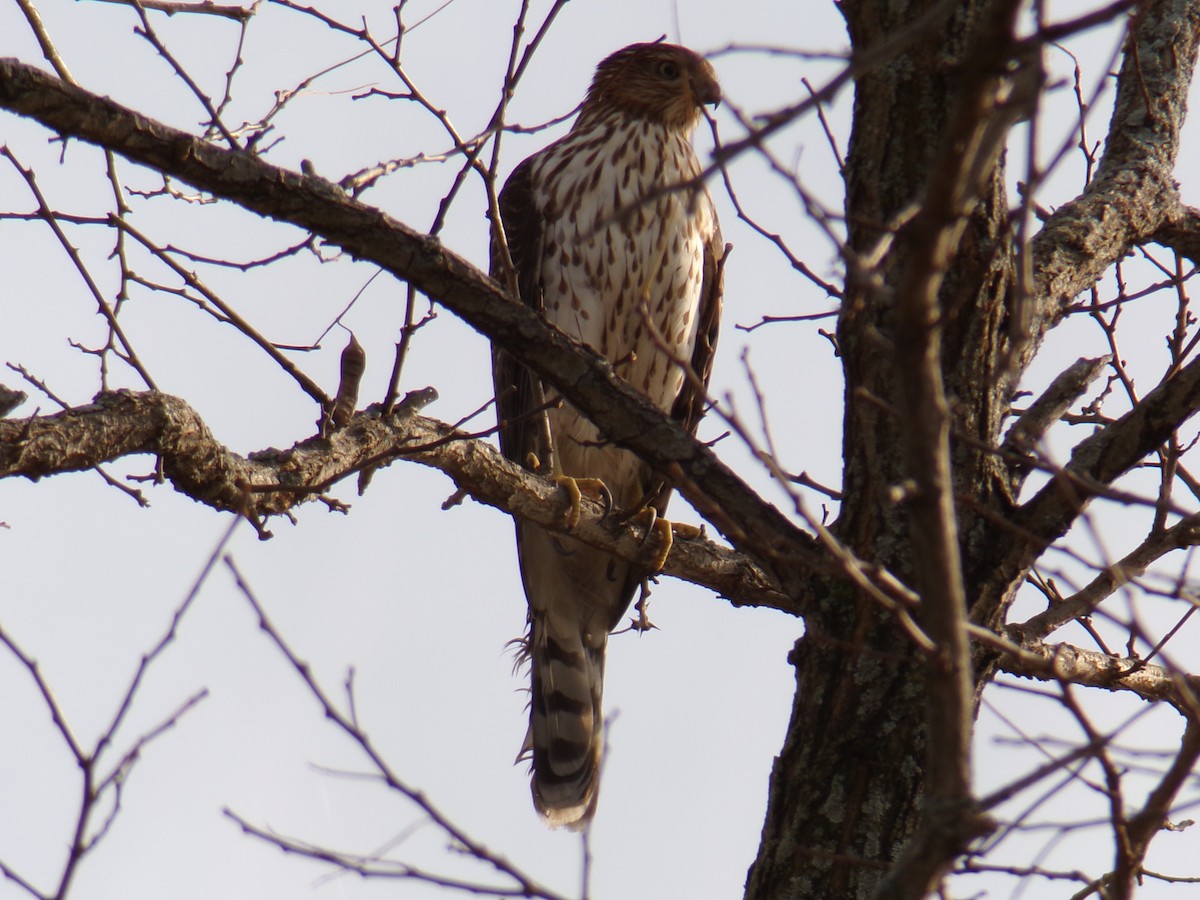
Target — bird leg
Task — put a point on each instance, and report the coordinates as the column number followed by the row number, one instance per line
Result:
column 641, row 624
column 576, row 488
column 666, row 531
column 656, row 526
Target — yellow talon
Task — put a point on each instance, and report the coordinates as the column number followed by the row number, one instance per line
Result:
column 666, row 541
column 576, row 488
column 687, row 530
column 662, row 527
column 666, row 531
column 571, row 486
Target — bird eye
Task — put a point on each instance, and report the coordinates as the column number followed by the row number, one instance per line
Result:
column 668, row 69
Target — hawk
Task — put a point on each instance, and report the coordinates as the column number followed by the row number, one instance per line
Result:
column 614, row 240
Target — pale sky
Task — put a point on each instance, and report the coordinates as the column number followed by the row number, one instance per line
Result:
column 419, row 602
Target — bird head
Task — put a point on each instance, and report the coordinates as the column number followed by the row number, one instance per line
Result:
column 664, row 83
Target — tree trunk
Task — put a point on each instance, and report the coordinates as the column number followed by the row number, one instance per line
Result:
column 841, row 807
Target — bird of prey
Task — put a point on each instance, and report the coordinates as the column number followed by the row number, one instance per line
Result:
column 614, row 240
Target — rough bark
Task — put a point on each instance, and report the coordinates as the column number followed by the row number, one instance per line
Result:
column 272, row 482
column 841, row 808
column 933, row 335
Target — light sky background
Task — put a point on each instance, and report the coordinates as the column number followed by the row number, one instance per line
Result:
column 418, row 601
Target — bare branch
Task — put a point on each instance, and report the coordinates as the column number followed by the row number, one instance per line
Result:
column 1090, row 668
column 1181, row 232
column 584, row 378
column 202, row 7
column 1133, row 195
column 1095, row 463
column 1185, row 533
column 1067, row 387
column 928, row 242
column 524, row 885
column 274, row 481
column 1142, row 827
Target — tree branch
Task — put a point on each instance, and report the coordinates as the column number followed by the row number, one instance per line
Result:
column 1095, row 463
column 1143, row 827
column 346, row 719
column 1067, row 387
column 583, row 377
column 1184, row 533
column 1091, row 668
column 1131, row 199
column 1181, row 232
column 1133, row 194
column 272, row 482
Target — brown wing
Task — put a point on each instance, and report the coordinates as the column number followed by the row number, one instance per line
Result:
column 689, row 406
column 520, row 397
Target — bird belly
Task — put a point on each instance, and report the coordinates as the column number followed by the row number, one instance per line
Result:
column 623, row 274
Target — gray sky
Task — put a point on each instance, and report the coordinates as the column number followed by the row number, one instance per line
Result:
column 418, row 601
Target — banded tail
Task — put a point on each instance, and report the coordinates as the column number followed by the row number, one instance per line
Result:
column 566, row 737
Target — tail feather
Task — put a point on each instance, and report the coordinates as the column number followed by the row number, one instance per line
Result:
column 566, row 726
column 576, row 595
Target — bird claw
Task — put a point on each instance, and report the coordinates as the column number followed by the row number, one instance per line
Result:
column 641, row 624
column 687, row 530
column 648, row 517
column 576, row 488
column 666, row 531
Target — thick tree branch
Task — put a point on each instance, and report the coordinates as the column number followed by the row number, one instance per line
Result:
column 1095, row 463
column 1143, row 827
column 1184, row 533
column 274, row 481
column 9, row 400
column 1181, row 232
column 1091, row 668
column 1131, row 198
column 1133, row 195
column 1067, row 387
column 582, row 376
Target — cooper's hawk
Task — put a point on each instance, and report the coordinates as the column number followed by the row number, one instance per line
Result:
column 614, row 239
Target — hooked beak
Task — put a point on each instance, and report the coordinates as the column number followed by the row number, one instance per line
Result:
column 707, row 92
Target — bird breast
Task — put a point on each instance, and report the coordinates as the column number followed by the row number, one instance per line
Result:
column 626, row 222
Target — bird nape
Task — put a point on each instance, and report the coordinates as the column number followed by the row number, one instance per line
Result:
column 614, row 240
